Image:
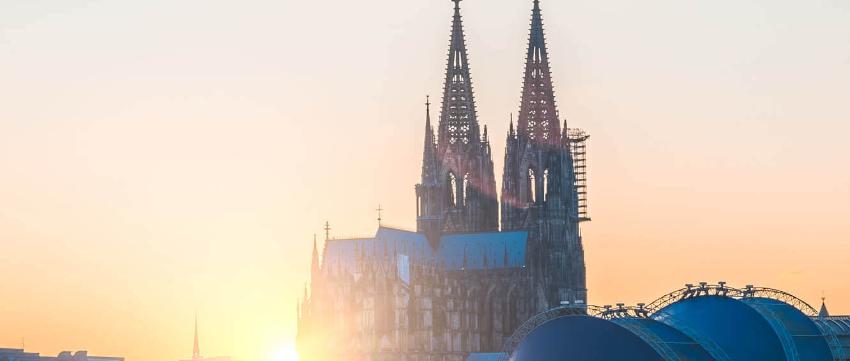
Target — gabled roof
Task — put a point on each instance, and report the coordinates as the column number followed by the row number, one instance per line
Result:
column 459, row 251
column 483, row 250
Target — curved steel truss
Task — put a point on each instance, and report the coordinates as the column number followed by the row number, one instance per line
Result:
column 721, row 289
column 609, row 312
column 570, row 310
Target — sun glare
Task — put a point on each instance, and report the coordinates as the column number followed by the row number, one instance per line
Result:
column 285, row 353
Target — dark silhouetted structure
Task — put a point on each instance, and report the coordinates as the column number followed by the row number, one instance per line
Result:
column 460, row 284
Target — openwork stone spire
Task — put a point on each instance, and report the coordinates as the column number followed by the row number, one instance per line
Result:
column 458, row 123
column 538, row 119
column 458, row 188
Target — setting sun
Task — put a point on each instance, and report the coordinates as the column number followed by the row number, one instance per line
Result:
column 284, row 353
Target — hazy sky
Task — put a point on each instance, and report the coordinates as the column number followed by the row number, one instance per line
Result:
column 159, row 158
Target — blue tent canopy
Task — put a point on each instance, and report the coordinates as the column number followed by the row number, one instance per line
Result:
column 707, row 323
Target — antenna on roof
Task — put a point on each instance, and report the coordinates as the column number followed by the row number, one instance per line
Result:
column 379, row 214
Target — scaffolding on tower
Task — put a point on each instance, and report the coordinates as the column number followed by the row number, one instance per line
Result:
column 578, row 149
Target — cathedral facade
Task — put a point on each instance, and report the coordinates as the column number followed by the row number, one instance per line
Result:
column 464, row 280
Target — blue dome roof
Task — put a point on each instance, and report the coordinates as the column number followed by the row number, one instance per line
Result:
column 712, row 322
column 729, row 328
column 838, row 329
column 583, row 338
column 667, row 341
column 793, row 328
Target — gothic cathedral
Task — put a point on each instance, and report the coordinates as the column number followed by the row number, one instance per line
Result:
column 461, row 284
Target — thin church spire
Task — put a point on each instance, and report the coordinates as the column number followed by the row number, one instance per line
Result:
column 315, row 267
column 429, row 152
column 196, row 350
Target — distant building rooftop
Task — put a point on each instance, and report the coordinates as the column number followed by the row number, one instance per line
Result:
column 16, row 354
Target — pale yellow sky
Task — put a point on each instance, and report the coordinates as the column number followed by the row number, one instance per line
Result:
column 162, row 157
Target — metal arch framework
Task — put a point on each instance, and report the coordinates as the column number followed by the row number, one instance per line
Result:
column 609, row 312
column 721, row 289
column 570, row 310
column 831, row 327
column 621, row 311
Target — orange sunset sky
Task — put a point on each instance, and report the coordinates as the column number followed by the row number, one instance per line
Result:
column 161, row 158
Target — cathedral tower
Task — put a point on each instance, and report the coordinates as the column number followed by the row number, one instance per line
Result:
column 458, row 188
column 538, row 185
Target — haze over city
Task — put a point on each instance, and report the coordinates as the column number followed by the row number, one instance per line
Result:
column 163, row 159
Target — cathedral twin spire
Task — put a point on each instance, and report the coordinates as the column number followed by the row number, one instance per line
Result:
column 539, row 188
column 538, row 116
column 458, row 123
column 458, row 194
column 458, row 188
column 539, row 183
column 457, row 191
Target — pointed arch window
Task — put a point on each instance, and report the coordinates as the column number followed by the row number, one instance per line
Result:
column 532, row 186
column 452, row 184
column 465, row 187
column 545, row 185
